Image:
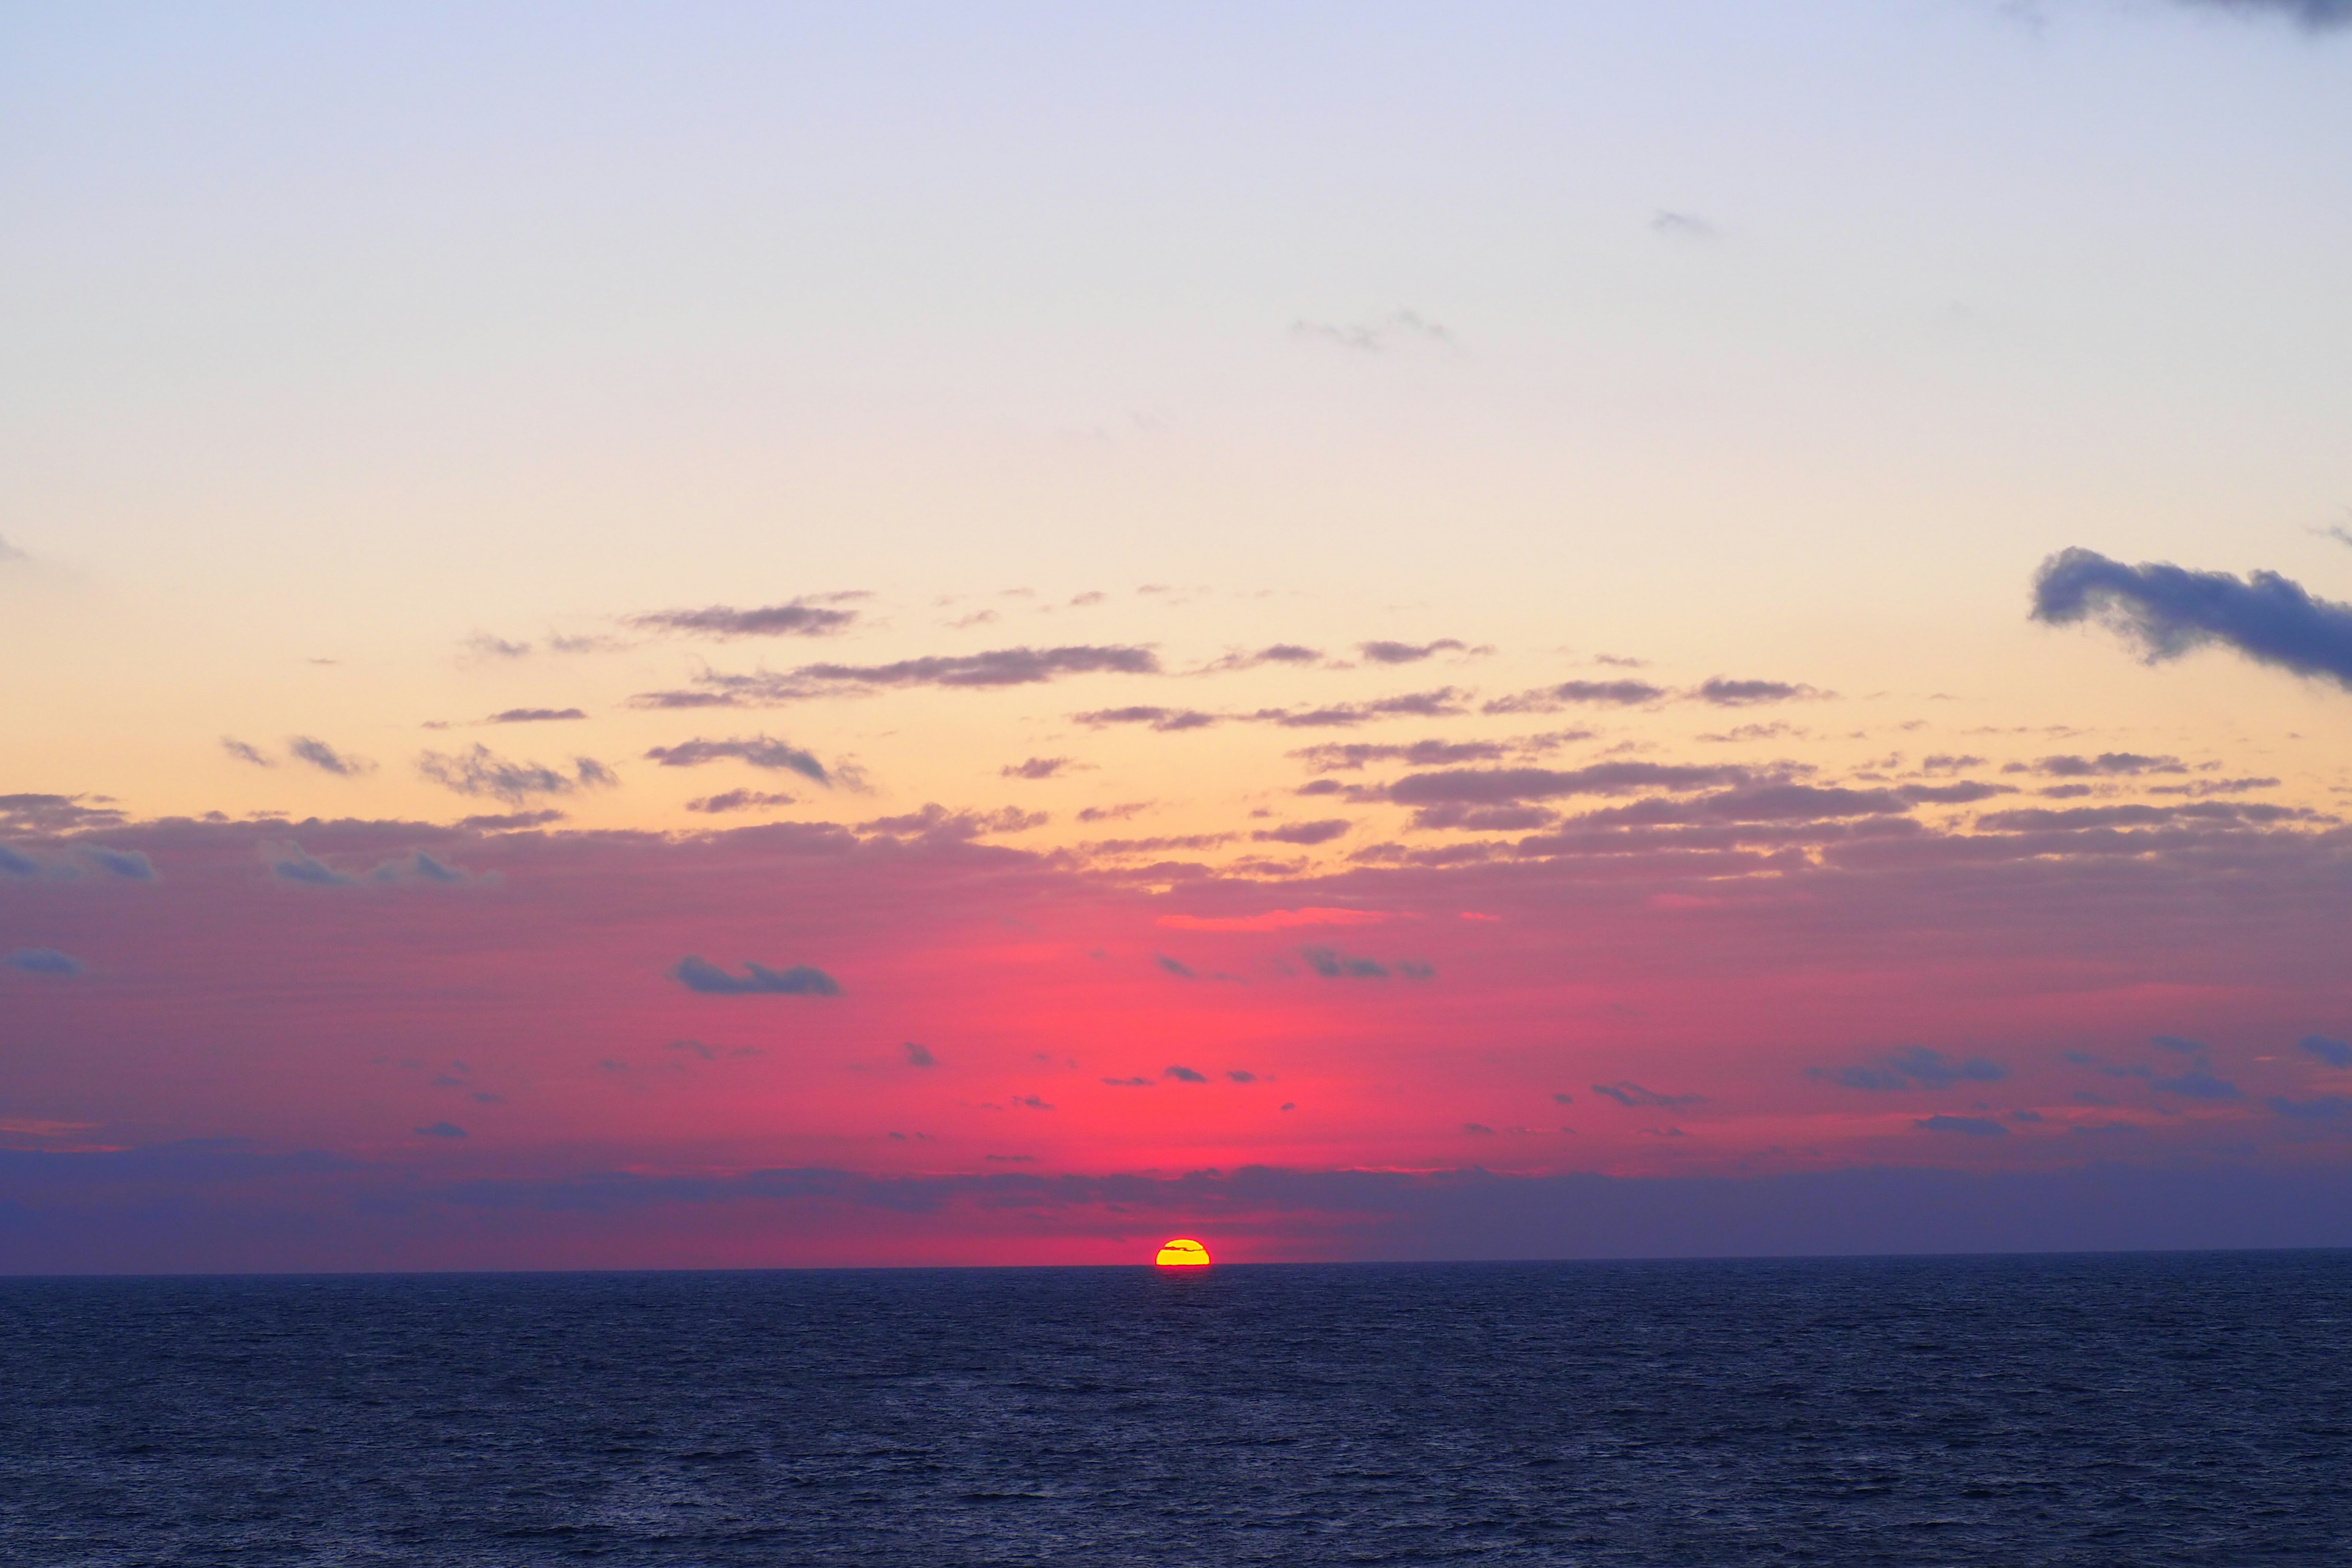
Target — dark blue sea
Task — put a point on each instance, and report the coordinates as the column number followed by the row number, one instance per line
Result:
column 2087, row 1410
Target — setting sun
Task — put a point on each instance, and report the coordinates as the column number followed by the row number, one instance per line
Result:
column 1182, row 1252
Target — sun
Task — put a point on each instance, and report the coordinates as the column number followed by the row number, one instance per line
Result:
column 1182, row 1252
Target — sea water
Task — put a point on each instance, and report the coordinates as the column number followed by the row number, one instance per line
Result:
column 2080, row 1410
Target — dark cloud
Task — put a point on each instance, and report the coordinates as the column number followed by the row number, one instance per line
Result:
column 42, row 961
column 1185, row 1075
column 1128, row 1082
column 1036, row 768
column 2080, row 818
column 1333, row 964
column 1408, row 652
column 761, row 751
column 1119, row 813
column 441, row 1130
column 918, row 1055
column 245, row 754
column 2186, row 1048
column 1725, row 693
column 1971, row 1126
column 1484, row 818
column 1351, row 756
column 1477, row 1129
column 2195, row 1084
column 2321, row 1108
column 2317, row 15
column 1176, row 967
column 533, row 715
column 509, row 821
column 796, row 619
column 14, row 865
column 1162, row 719
column 1632, row 1095
column 482, row 771
column 1914, row 1067
column 1278, row 652
column 1602, row 693
column 129, row 864
column 1305, row 833
column 1496, row 786
column 325, row 759
column 1236, row 1075
column 291, row 863
column 2335, row 1052
column 2167, row 611
column 1031, row 1102
column 739, row 800
column 801, row 980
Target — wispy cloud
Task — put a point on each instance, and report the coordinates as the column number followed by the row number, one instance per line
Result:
column 799, row 618
column 757, row 980
column 326, row 758
column 1376, row 334
column 44, row 961
column 997, row 668
column 482, row 772
column 761, row 752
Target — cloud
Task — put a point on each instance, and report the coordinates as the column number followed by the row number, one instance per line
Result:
column 1275, row 920
column 509, row 821
column 2315, row 15
column 1409, row 653
column 997, row 668
column 1176, row 967
column 1305, row 833
column 441, row 1130
column 1725, row 693
column 739, row 800
column 1128, row 1082
column 1236, row 1075
column 796, row 619
column 129, row 864
column 918, row 1055
column 1185, row 1075
column 325, row 759
column 9, row 552
column 1166, row 720
column 760, row 751
column 245, row 754
column 482, row 771
column 2106, row 764
column 936, row 824
column 801, row 980
column 1445, row 702
column 291, row 863
column 1376, row 335
column 1333, row 964
column 2195, row 1084
column 1971, row 1126
column 1914, row 1067
column 2167, row 611
column 1602, row 693
column 15, row 865
column 1036, row 768
column 1632, row 1095
column 42, row 961
column 2335, row 1052
column 2186, row 1048
column 1277, row 653
column 1495, row 786
column 533, row 715
column 1031, row 1102
column 2321, row 1108
column 1683, row 225
column 483, row 646
column 1964, row 793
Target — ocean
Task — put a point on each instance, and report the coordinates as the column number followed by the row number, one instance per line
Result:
column 2136, row 1410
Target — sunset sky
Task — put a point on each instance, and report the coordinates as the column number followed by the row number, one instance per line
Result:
column 726, row 636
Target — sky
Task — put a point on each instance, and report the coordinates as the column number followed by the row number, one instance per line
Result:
column 762, row 635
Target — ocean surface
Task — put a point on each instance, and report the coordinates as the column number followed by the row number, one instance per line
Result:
column 2084, row 1410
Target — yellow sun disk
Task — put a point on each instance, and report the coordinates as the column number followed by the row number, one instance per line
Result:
column 1182, row 1252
